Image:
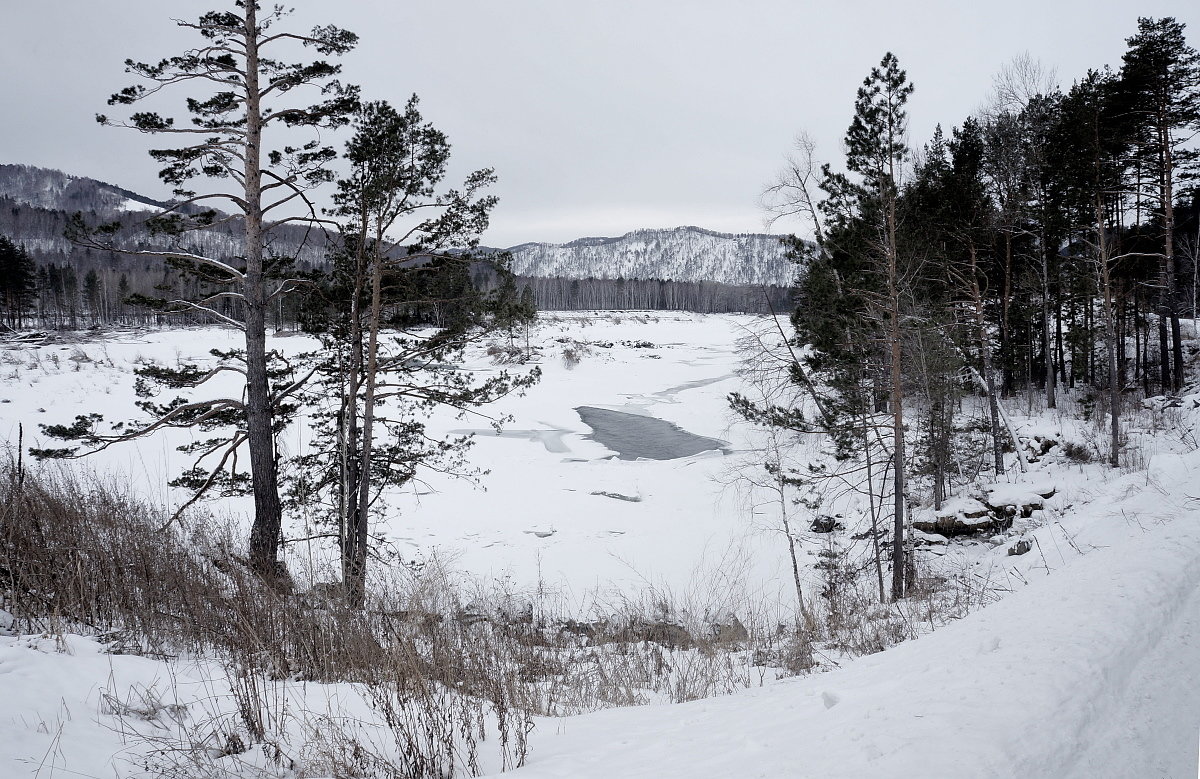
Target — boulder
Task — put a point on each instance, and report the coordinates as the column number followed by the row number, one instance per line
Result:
column 955, row 526
column 1020, row 548
column 1023, row 499
column 824, row 523
column 962, row 517
column 921, row 538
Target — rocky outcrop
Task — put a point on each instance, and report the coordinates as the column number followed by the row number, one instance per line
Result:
column 994, row 511
column 960, row 517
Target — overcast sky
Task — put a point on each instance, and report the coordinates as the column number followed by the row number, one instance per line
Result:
column 599, row 116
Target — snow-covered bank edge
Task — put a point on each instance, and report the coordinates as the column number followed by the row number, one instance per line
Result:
column 1051, row 681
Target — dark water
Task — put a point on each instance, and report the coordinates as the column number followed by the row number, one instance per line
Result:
column 632, row 436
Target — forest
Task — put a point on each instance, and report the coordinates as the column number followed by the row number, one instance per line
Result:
column 54, row 284
column 1049, row 242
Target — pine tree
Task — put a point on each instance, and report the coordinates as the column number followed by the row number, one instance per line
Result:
column 1161, row 80
column 1094, row 138
column 853, row 290
column 91, row 294
column 243, row 94
column 18, row 282
column 876, row 150
column 393, row 268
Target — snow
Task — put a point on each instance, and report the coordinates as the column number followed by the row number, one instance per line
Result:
column 1020, row 494
column 968, row 510
column 1089, row 667
column 1092, row 671
column 690, row 521
column 129, row 204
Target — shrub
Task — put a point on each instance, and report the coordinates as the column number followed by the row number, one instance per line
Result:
column 1077, row 452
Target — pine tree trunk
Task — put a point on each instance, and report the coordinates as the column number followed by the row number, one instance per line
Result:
column 359, row 564
column 1047, row 349
column 1059, row 350
column 1137, row 333
column 897, row 404
column 1122, row 334
column 1110, row 334
column 985, row 358
column 1168, row 197
column 1006, row 358
column 1164, row 316
column 268, row 513
column 348, row 433
column 873, row 505
column 898, row 567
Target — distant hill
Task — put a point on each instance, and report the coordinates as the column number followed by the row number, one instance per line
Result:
column 35, row 204
column 680, row 254
column 55, row 190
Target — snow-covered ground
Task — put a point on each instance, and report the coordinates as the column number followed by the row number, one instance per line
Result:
column 538, row 516
column 1090, row 667
column 1092, row 670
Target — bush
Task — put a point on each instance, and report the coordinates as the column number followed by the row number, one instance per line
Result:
column 437, row 662
column 1077, row 452
column 80, row 555
column 574, row 352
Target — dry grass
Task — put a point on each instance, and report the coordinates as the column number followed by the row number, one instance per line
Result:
column 444, row 668
column 78, row 555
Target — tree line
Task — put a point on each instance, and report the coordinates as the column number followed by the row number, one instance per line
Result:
column 78, row 286
column 1049, row 242
column 706, row 297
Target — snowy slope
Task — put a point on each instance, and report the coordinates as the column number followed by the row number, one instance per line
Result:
column 1090, row 668
column 55, row 190
column 681, row 254
column 1093, row 670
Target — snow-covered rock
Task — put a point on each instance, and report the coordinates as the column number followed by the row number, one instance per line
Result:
column 960, row 516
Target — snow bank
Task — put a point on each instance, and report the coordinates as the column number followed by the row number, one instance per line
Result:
column 1092, row 671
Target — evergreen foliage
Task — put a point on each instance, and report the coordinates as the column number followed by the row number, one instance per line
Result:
column 245, row 138
column 18, row 284
column 1035, row 247
column 394, row 314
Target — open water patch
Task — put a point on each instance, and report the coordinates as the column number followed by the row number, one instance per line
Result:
column 633, row 436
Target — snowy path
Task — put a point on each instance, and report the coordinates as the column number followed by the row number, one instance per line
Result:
column 1091, row 671
column 1159, row 708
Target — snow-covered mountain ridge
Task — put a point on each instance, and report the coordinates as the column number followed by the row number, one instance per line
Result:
column 684, row 254
column 35, row 204
column 55, row 190
column 679, row 254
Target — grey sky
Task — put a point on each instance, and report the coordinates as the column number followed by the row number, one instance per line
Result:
column 600, row 116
